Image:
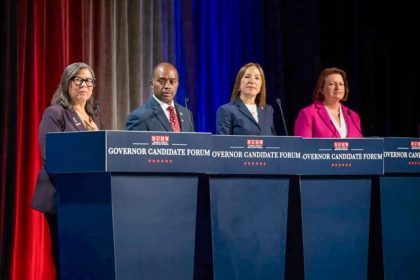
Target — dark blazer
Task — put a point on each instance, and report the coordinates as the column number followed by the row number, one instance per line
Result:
column 150, row 117
column 314, row 121
column 234, row 118
column 54, row 119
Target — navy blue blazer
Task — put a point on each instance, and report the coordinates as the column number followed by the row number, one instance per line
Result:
column 234, row 118
column 55, row 119
column 150, row 117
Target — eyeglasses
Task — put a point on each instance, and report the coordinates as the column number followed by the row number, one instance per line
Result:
column 90, row 82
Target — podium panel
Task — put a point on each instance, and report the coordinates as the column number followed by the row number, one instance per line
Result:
column 238, row 154
column 335, row 190
column 118, row 226
column 335, row 225
column 249, row 218
column 400, row 197
column 128, row 151
column 127, row 202
column 85, row 229
column 156, row 242
column 347, row 156
column 249, row 213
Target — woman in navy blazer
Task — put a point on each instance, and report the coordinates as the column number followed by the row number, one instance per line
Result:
column 72, row 109
column 247, row 113
column 327, row 117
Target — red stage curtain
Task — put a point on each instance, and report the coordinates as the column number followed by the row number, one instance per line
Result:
column 49, row 37
column 8, row 85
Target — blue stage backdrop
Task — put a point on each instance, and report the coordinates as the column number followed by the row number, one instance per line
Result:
column 213, row 40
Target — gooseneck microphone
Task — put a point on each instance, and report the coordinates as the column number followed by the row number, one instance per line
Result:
column 282, row 116
column 354, row 123
column 98, row 111
column 186, row 100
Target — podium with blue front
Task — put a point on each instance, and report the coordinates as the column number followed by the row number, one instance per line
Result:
column 249, row 187
column 335, row 184
column 127, row 202
column 400, row 208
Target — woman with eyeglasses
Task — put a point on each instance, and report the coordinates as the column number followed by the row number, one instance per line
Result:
column 71, row 109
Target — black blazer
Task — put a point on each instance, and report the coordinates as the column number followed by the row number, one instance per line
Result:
column 234, row 118
column 150, row 117
column 54, row 119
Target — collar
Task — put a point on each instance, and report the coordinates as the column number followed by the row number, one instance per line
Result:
column 164, row 105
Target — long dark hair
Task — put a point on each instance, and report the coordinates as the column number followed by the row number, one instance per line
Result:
column 61, row 95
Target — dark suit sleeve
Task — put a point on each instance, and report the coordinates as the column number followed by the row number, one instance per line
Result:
column 44, row 196
column 135, row 121
column 52, row 121
column 223, row 121
column 272, row 129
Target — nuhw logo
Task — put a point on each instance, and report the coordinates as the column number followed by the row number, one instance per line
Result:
column 415, row 145
column 341, row 146
column 254, row 143
column 160, row 139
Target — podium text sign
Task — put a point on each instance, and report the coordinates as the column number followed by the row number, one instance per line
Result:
column 127, row 202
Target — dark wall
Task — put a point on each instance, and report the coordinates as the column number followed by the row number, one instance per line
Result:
column 374, row 42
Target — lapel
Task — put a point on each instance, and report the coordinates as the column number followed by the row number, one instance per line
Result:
column 75, row 120
column 323, row 114
column 347, row 118
column 260, row 111
column 244, row 110
column 160, row 115
column 181, row 117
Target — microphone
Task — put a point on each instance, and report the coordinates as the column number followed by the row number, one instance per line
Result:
column 186, row 100
column 354, row 123
column 98, row 111
column 282, row 116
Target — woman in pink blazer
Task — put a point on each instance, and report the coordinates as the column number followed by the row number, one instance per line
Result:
column 326, row 117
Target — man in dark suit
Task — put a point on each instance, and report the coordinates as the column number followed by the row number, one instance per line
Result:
column 161, row 112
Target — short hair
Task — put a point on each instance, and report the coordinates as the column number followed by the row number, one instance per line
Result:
column 317, row 95
column 161, row 64
column 61, row 95
column 260, row 99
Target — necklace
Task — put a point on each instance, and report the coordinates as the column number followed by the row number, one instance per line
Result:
column 337, row 113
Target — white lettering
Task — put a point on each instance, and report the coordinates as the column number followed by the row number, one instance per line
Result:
column 316, row 156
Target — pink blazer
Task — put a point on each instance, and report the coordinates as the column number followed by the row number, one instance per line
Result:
column 314, row 121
